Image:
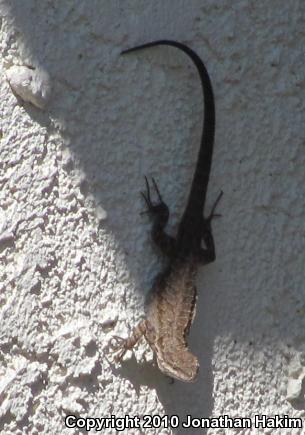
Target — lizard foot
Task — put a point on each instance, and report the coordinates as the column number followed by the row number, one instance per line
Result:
column 119, row 347
column 122, row 345
column 159, row 210
column 212, row 214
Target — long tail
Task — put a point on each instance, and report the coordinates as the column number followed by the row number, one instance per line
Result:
column 200, row 181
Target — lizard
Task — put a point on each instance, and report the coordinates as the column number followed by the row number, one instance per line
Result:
column 170, row 304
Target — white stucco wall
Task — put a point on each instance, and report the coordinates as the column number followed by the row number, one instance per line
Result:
column 75, row 255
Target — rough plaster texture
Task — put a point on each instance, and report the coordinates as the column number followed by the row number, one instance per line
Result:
column 75, row 254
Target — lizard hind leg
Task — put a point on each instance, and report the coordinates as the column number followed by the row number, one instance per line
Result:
column 207, row 255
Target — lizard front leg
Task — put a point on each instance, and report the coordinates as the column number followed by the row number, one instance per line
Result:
column 125, row 344
column 159, row 213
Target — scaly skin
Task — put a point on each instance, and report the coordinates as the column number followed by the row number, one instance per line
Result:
column 170, row 305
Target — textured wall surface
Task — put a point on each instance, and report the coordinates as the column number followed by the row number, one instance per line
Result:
column 75, row 255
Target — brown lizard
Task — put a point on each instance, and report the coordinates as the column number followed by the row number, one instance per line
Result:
column 170, row 305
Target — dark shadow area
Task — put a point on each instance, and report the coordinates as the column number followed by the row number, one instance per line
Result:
column 98, row 150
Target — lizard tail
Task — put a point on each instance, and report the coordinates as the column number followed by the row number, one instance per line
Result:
column 200, row 181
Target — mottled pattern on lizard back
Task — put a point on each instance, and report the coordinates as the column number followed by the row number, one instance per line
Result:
column 170, row 310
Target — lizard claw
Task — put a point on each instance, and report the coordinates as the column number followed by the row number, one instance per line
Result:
column 147, row 198
column 212, row 214
column 156, row 189
column 118, row 348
